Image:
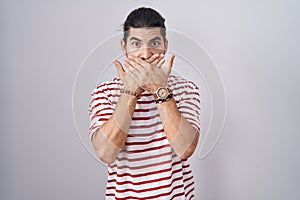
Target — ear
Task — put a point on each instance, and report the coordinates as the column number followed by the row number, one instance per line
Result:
column 166, row 45
column 123, row 46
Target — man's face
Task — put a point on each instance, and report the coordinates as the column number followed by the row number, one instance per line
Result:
column 144, row 42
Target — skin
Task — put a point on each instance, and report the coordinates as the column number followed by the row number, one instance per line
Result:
column 144, row 50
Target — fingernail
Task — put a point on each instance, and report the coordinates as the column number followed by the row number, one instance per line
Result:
column 161, row 55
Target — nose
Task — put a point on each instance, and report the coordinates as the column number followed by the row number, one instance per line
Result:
column 145, row 53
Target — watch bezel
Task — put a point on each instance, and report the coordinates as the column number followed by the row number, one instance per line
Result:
column 158, row 97
column 159, row 91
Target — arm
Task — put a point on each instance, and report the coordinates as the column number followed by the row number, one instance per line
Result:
column 110, row 138
column 183, row 137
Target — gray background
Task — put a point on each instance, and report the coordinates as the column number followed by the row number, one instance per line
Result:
column 254, row 43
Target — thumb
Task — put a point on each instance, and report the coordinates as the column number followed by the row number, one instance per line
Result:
column 120, row 68
column 169, row 63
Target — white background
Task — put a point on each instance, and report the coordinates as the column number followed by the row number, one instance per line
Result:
column 255, row 45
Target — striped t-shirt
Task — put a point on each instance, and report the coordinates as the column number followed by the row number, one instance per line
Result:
column 147, row 167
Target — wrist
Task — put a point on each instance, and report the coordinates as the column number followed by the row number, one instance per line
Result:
column 162, row 94
column 155, row 87
column 168, row 98
column 130, row 93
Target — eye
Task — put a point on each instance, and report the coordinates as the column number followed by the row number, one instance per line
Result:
column 136, row 44
column 154, row 43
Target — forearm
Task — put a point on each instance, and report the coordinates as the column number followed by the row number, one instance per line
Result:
column 182, row 136
column 110, row 138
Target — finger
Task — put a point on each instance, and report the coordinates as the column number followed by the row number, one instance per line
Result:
column 152, row 58
column 127, row 64
column 132, row 73
column 169, row 63
column 132, row 62
column 161, row 57
column 137, row 62
column 120, row 68
column 160, row 63
column 132, row 69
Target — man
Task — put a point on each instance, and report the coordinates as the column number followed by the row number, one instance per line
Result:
column 145, row 124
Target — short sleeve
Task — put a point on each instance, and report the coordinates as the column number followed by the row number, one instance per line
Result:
column 100, row 109
column 189, row 105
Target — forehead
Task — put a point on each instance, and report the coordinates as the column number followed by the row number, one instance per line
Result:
column 145, row 34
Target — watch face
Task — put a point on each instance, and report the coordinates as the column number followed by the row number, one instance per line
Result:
column 162, row 93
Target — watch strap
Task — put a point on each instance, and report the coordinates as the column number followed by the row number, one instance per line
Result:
column 170, row 96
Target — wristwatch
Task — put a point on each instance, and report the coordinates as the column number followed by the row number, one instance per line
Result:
column 162, row 94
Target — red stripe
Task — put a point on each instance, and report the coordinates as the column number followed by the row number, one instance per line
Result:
column 114, row 81
column 193, row 98
column 147, row 149
column 146, row 126
column 98, row 104
column 150, row 197
column 145, row 174
column 187, row 179
column 101, row 115
column 188, row 102
column 150, row 189
column 145, row 134
column 184, row 93
column 188, row 193
column 175, row 81
column 144, row 158
column 196, row 87
column 136, row 110
column 146, row 118
column 146, row 142
column 191, row 119
column 193, row 122
column 188, row 172
column 186, row 166
column 188, row 113
column 104, row 90
column 187, row 186
column 98, row 98
column 141, row 166
column 103, row 110
column 197, row 127
column 145, row 182
column 93, row 127
column 177, row 195
column 114, row 95
column 186, row 107
column 182, row 87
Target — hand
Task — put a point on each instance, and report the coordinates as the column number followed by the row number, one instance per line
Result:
column 128, row 80
column 149, row 74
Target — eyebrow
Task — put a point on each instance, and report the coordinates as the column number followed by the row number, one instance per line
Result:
column 135, row 38
column 156, row 38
